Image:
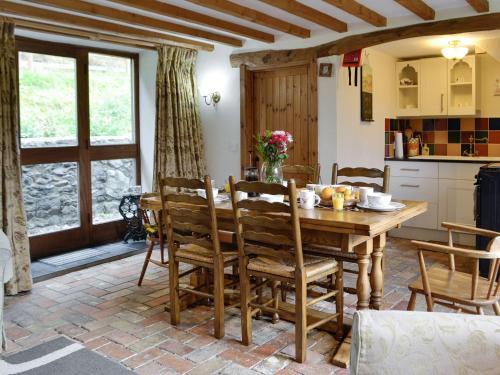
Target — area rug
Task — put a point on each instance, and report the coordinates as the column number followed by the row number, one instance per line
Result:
column 60, row 356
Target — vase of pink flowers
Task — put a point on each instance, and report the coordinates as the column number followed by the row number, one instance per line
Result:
column 272, row 147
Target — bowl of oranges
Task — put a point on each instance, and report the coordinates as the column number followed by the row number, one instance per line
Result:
column 349, row 194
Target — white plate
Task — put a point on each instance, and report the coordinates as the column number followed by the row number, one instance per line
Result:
column 393, row 206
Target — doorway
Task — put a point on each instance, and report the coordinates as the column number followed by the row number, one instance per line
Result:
column 79, row 138
column 281, row 98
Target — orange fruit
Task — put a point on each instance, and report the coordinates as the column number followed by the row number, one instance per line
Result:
column 327, row 193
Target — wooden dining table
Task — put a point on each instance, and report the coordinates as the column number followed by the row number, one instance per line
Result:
column 357, row 231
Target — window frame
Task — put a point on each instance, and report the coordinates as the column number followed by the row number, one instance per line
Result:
column 83, row 153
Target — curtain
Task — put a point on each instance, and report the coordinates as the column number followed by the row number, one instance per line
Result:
column 12, row 214
column 179, row 149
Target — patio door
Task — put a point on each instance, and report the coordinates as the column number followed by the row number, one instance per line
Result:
column 79, row 143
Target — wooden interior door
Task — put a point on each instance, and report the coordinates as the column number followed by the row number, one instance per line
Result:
column 280, row 99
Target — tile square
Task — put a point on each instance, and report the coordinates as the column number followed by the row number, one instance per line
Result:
column 453, row 124
column 453, row 137
column 391, row 137
column 467, row 124
column 431, row 149
column 465, row 148
column 495, row 123
column 494, row 136
column 441, row 137
column 453, row 149
column 428, row 125
column 482, row 149
column 481, row 136
column 404, row 124
column 387, row 137
column 493, row 150
column 481, row 123
column 440, row 150
column 416, row 124
column 465, row 136
column 387, row 151
column 391, row 151
column 387, row 124
column 441, row 124
column 429, row 137
column 393, row 124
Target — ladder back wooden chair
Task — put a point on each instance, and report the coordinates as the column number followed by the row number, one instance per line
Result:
column 270, row 247
column 302, row 174
column 193, row 238
column 461, row 291
column 155, row 236
column 372, row 173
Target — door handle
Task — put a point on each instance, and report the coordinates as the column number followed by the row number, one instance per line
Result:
column 410, row 186
column 410, row 169
column 442, row 102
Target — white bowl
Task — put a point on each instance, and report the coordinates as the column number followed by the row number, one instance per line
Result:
column 202, row 192
column 379, row 199
column 271, row 198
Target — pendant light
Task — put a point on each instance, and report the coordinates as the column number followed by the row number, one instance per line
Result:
column 454, row 51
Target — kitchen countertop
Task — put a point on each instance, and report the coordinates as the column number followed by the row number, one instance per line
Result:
column 450, row 159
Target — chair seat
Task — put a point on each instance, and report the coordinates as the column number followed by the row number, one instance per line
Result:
column 314, row 265
column 204, row 255
column 452, row 285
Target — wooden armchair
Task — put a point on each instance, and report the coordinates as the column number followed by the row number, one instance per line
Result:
column 270, row 248
column 364, row 173
column 458, row 290
column 302, row 174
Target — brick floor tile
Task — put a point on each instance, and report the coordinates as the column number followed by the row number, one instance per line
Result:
column 15, row 332
column 272, row 364
column 147, row 342
column 244, row 359
column 94, row 334
column 211, row 366
column 97, row 343
column 233, row 369
column 121, row 337
column 142, row 358
column 175, row 363
column 206, row 352
column 115, row 351
column 176, row 347
column 152, row 368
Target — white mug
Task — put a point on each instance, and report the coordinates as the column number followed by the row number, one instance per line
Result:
column 363, row 193
column 240, row 195
column 308, row 199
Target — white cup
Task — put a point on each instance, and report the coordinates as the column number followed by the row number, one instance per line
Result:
column 272, row 198
column 363, row 193
column 240, row 195
column 311, row 187
column 308, row 199
column 202, row 193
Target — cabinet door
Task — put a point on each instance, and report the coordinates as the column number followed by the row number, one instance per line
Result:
column 433, row 86
column 462, row 86
column 456, row 201
column 408, row 88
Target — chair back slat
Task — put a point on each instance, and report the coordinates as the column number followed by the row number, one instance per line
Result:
column 268, row 230
column 494, row 246
column 302, row 174
column 362, row 173
column 190, row 218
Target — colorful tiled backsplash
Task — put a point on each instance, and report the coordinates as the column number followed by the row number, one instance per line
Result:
column 448, row 136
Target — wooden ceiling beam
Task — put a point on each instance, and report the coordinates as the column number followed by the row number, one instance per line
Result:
column 418, row 7
column 98, row 25
column 72, row 32
column 173, row 11
column 271, row 58
column 308, row 13
column 480, row 6
column 360, row 11
column 137, row 19
column 252, row 15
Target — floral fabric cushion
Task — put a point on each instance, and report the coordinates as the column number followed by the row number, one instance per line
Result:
column 409, row 342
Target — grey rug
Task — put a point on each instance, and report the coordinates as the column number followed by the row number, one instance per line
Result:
column 60, row 356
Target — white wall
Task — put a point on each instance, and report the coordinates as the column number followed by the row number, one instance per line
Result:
column 147, row 112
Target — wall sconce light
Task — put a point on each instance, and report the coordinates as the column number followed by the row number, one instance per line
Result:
column 214, row 98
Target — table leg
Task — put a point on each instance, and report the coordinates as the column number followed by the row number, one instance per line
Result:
column 363, row 283
column 377, row 273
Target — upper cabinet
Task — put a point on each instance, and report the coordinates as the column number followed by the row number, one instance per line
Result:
column 408, row 73
column 436, row 87
column 462, row 86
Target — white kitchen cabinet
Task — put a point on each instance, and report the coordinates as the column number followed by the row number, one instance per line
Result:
column 462, row 86
column 456, row 201
column 433, row 86
column 414, row 169
column 408, row 88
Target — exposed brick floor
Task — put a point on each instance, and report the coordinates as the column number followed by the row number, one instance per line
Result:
column 104, row 308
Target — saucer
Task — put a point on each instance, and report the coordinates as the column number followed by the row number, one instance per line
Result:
column 393, row 206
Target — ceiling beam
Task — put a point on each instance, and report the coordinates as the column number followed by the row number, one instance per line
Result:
column 272, row 58
column 89, row 23
column 137, row 19
column 360, row 11
column 173, row 11
column 252, row 15
column 480, row 5
column 72, row 32
column 418, row 7
column 308, row 13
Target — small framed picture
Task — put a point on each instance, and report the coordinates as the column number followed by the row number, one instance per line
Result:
column 325, row 69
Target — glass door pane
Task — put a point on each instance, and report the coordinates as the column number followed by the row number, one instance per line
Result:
column 51, row 197
column 111, row 108
column 47, row 99
column 111, row 179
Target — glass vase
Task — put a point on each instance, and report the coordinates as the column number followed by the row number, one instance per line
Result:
column 271, row 172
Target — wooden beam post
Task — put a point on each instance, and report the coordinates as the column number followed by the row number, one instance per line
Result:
column 360, row 11
column 418, row 7
column 480, row 6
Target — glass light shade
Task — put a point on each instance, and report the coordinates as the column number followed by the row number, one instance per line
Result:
column 454, row 51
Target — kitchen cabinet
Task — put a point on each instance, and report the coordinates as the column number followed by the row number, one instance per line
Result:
column 462, row 86
column 433, row 86
column 408, row 83
column 456, row 201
